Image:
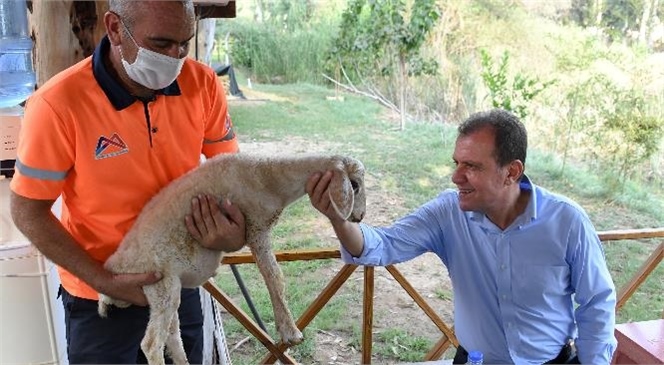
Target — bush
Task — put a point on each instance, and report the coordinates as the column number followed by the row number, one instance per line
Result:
column 273, row 55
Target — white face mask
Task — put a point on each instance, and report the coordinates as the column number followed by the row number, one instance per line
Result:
column 151, row 69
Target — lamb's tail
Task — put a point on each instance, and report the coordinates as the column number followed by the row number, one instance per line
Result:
column 102, row 308
column 105, row 301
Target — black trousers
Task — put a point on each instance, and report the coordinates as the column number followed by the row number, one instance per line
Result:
column 117, row 338
column 567, row 355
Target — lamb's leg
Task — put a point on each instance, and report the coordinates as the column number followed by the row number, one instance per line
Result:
column 164, row 299
column 274, row 280
column 174, row 340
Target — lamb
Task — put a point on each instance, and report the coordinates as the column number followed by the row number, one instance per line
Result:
column 261, row 187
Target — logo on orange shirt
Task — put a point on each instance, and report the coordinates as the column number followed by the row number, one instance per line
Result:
column 110, row 147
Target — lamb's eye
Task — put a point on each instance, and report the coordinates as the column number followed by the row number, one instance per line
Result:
column 355, row 185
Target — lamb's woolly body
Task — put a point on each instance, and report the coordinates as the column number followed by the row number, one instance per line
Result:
column 261, row 187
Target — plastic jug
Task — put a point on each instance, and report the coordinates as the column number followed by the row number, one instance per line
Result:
column 17, row 77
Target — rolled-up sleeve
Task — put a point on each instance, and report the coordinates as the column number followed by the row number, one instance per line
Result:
column 406, row 239
column 596, row 297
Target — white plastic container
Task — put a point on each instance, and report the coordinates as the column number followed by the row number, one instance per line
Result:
column 10, row 126
column 32, row 327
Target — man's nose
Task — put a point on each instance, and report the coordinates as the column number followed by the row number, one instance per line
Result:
column 457, row 177
column 177, row 51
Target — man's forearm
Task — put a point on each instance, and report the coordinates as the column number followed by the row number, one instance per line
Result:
column 350, row 236
column 35, row 220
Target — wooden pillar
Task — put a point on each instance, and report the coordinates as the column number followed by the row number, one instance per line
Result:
column 64, row 32
column 203, row 42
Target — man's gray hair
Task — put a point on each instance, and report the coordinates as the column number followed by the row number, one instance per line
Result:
column 127, row 9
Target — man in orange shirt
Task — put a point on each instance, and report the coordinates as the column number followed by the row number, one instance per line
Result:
column 107, row 134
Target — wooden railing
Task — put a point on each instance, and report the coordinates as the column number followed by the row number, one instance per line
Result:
column 647, row 267
column 278, row 351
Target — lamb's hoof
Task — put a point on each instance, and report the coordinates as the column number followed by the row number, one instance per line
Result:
column 293, row 337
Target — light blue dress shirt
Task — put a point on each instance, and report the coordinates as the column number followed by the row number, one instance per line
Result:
column 514, row 289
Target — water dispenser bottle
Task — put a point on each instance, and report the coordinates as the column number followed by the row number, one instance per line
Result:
column 17, row 78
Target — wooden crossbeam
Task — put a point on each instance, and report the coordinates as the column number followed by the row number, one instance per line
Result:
column 247, row 322
column 438, row 349
column 423, row 304
column 630, row 234
column 318, row 304
column 648, row 266
column 290, row 255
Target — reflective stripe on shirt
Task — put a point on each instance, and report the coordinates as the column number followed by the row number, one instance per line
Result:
column 40, row 173
column 228, row 137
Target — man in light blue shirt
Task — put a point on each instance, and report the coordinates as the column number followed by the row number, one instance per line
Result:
column 519, row 256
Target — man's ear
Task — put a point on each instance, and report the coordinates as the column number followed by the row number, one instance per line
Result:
column 113, row 28
column 514, row 172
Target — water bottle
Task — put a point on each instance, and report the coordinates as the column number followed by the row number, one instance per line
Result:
column 17, row 78
column 475, row 358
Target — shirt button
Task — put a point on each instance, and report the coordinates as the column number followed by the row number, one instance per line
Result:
column 504, row 296
column 502, row 267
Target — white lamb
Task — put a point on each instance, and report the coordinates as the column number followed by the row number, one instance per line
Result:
column 261, row 187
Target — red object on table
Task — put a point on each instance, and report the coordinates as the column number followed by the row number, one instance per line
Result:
column 640, row 343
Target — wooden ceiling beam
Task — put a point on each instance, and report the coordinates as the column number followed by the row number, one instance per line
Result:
column 215, row 8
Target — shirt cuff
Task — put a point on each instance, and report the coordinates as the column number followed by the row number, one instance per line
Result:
column 593, row 352
column 369, row 246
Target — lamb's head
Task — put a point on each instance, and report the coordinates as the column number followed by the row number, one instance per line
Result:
column 347, row 189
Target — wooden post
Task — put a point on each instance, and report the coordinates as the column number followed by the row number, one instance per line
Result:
column 64, row 32
column 367, row 321
column 203, row 43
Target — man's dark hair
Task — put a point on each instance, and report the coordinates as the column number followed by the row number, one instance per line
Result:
column 511, row 139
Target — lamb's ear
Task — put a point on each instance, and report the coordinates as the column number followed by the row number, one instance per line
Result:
column 341, row 193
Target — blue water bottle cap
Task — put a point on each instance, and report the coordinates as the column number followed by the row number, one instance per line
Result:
column 475, row 357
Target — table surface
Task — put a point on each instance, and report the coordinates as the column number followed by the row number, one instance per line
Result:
column 646, row 335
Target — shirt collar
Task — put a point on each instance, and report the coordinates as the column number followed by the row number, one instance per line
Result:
column 531, row 208
column 528, row 215
column 115, row 92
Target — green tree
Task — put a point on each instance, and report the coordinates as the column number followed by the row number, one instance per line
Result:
column 630, row 133
column 381, row 38
column 512, row 95
column 284, row 14
column 629, row 20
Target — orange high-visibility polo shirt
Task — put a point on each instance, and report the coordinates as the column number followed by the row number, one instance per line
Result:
column 107, row 152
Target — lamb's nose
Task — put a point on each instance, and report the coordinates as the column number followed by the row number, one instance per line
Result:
column 356, row 219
